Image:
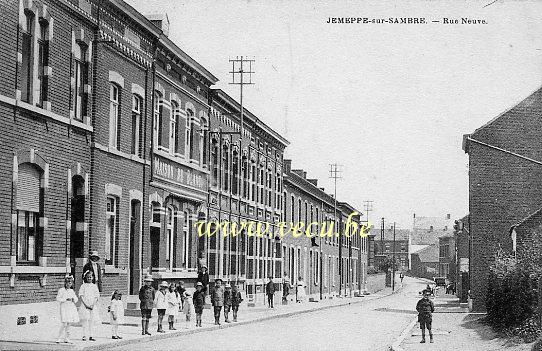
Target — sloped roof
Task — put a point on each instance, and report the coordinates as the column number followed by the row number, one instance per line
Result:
column 400, row 234
column 430, row 254
column 534, row 220
column 417, row 248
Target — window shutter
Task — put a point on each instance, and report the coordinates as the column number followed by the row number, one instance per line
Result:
column 28, row 188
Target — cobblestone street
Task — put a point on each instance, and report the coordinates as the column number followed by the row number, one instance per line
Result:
column 371, row 325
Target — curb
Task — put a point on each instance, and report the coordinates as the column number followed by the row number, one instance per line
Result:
column 396, row 346
column 212, row 328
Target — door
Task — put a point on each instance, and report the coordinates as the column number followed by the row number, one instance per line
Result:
column 77, row 232
column 135, row 231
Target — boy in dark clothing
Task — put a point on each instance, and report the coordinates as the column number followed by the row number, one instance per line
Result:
column 199, row 300
column 425, row 307
column 217, row 299
column 146, row 298
column 235, row 301
column 270, row 291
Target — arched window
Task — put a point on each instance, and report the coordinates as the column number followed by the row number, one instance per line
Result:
column 299, row 209
column 80, row 101
column 235, row 173
column 292, row 212
column 225, row 168
column 158, row 118
column 29, row 201
column 114, row 116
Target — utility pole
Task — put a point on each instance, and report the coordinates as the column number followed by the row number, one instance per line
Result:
column 368, row 207
column 334, row 173
column 382, row 239
column 393, row 262
column 240, row 75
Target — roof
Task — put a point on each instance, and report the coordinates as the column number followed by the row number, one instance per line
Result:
column 414, row 249
column 252, row 117
column 534, row 220
column 400, row 234
column 427, row 230
column 429, row 254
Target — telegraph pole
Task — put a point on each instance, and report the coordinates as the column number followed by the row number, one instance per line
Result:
column 368, row 207
column 393, row 262
column 241, row 74
column 334, row 173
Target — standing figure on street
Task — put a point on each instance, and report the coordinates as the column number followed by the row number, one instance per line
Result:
column 217, row 299
column 180, row 291
column 425, row 309
column 187, row 308
column 401, row 276
column 116, row 314
column 227, row 302
column 89, row 311
column 235, row 301
column 93, row 266
column 270, row 291
column 300, row 290
column 203, row 278
column 173, row 303
column 146, row 303
column 160, row 301
column 285, row 288
column 68, row 312
column 199, row 301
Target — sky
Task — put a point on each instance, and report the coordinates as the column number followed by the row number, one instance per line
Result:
column 389, row 103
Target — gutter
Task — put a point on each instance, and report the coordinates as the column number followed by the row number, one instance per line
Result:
column 467, row 138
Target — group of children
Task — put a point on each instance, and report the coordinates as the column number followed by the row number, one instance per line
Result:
column 170, row 300
column 225, row 297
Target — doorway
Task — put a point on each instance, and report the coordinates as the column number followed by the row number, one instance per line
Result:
column 135, row 232
column 77, row 232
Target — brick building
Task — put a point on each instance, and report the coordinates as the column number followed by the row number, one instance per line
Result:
column 462, row 249
column 505, row 180
column 424, row 261
column 447, row 257
column 384, row 247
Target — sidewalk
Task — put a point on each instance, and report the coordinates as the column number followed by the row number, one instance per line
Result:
column 454, row 329
column 131, row 331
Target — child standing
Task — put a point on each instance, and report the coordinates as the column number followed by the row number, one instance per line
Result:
column 88, row 311
column 173, row 303
column 235, row 301
column 227, row 302
column 146, row 298
column 116, row 314
column 160, row 301
column 199, row 301
column 68, row 311
column 425, row 308
column 187, row 307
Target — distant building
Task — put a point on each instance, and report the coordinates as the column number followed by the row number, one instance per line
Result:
column 384, row 247
column 425, row 261
column 462, row 252
column 447, row 260
column 427, row 230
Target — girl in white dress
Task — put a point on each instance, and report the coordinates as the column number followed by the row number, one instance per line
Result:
column 89, row 311
column 116, row 314
column 300, row 290
column 173, row 303
column 68, row 312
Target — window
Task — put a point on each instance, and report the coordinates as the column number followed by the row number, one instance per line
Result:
column 27, row 63
column 114, row 120
column 299, row 210
column 169, row 234
column 225, row 168
column 29, row 199
column 174, row 128
column 244, row 174
column 205, row 146
column 80, row 101
column 235, row 173
column 190, row 133
column 253, row 177
column 158, row 117
column 292, row 210
column 43, row 60
column 186, row 239
column 111, row 230
column 214, row 161
column 136, row 124
column 262, row 183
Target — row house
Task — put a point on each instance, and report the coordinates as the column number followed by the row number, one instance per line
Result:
column 245, row 185
column 505, row 182
column 388, row 244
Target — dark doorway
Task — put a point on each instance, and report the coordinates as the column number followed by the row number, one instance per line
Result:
column 77, row 234
column 155, row 228
column 135, row 231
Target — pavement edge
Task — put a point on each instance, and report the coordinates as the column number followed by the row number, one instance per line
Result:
column 396, row 346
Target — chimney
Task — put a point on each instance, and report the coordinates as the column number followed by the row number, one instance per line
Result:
column 161, row 21
column 414, row 215
column 323, row 189
column 313, row 181
column 287, row 165
column 448, row 216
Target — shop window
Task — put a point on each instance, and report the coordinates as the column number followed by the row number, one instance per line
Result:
column 169, row 233
column 114, row 115
column 137, row 103
column 111, row 231
column 186, row 239
column 29, row 198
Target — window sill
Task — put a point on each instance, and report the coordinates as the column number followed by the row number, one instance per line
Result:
column 34, row 269
column 53, row 115
column 109, row 269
